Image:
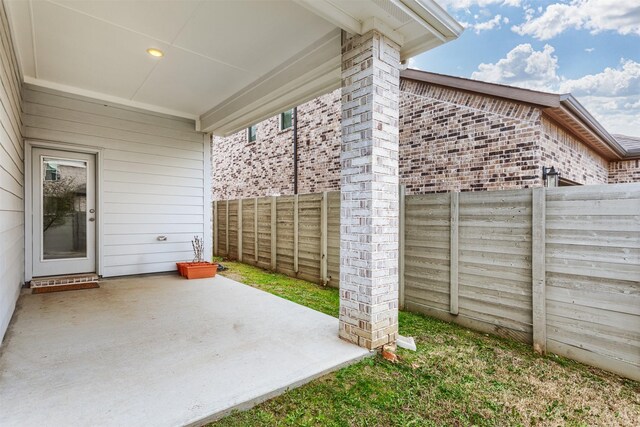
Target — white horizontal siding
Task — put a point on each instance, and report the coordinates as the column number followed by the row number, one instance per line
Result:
column 153, row 176
column 11, row 178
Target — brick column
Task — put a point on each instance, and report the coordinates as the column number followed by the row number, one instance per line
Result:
column 369, row 190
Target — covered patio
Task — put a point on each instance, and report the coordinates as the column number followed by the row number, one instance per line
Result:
column 159, row 350
column 107, row 113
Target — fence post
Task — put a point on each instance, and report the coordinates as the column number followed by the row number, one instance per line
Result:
column 453, row 267
column 538, row 273
column 215, row 227
column 274, row 201
column 240, row 230
column 401, row 228
column 226, row 229
column 295, row 234
column 323, row 239
column 255, row 230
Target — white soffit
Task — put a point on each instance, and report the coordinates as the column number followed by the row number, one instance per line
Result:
column 227, row 63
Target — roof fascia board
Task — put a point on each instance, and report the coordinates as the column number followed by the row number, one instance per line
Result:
column 429, row 9
column 570, row 104
column 500, row 91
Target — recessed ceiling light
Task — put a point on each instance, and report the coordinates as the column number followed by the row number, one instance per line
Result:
column 155, row 52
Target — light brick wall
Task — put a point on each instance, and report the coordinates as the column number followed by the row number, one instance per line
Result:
column 449, row 140
column 369, row 190
column 624, row 171
column 574, row 160
column 319, row 136
column 242, row 169
column 454, row 140
column 263, row 167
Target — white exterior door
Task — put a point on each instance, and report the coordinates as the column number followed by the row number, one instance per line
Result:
column 64, row 212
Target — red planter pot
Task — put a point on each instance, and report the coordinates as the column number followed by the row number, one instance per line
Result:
column 199, row 270
column 181, row 268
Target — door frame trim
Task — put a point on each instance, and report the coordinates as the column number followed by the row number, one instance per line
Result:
column 29, row 145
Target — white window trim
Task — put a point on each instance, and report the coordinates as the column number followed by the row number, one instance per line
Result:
column 249, row 133
column 280, row 120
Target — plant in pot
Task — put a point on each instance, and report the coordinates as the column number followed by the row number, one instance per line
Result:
column 198, row 269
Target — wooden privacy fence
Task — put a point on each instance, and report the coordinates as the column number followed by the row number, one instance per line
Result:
column 295, row 235
column 558, row 268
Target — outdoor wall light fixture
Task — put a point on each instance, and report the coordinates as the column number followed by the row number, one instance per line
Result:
column 550, row 176
column 155, row 52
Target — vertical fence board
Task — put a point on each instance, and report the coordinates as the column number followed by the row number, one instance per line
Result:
column 248, row 231
column 333, row 239
column 453, row 260
column 285, row 235
column 216, row 250
column 538, row 271
column 296, row 236
column 323, row 239
column 240, row 230
column 226, row 230
column 255, row 228
column 264, row 232
column 233, row 229
column 274, row 224
column 401, row 238
column 309, row 245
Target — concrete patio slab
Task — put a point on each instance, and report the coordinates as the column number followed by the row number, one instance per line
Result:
column 159, row 350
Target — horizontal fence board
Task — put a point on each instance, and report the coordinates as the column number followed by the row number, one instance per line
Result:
column 470, row 322
column 615, row 365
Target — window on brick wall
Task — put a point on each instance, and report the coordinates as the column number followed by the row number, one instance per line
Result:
column 286, row 119
column 252, row 133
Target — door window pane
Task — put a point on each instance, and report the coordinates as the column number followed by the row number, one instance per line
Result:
column 64, row 208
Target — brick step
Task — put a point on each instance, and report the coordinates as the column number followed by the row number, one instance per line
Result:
column 72, row 279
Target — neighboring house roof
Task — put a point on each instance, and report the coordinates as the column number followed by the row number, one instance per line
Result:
column 629, row 143
column 563, row 108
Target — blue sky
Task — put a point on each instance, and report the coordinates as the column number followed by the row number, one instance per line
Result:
column 590, row 48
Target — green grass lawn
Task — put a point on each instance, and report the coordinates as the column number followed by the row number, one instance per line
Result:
column 457, row 377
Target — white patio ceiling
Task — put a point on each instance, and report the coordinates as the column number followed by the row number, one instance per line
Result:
column 227, row 64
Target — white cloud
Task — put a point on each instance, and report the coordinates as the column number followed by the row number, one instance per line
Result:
column 593, row 15
column 634, row 105
column 589, row 49
column 487, row 25
column 612, row 96
column 621, row 81
column 617, row 114
column 523, row 66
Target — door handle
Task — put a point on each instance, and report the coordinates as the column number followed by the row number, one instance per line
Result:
column 92, row 219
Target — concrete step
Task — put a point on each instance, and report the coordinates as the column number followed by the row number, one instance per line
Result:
column 72, row 279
